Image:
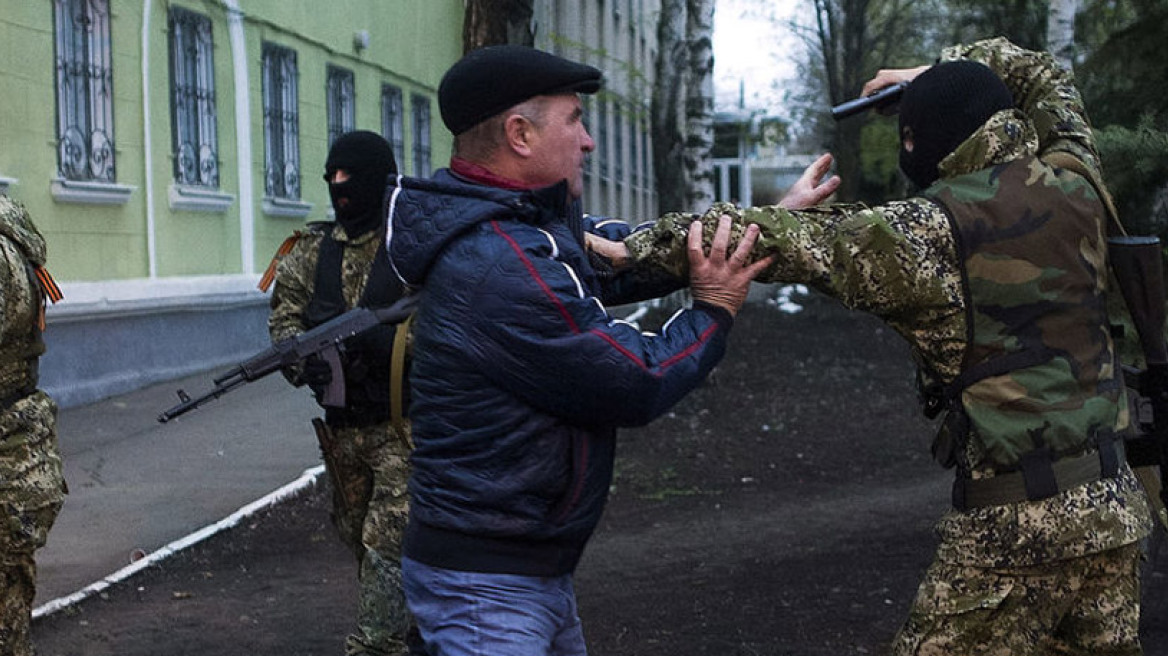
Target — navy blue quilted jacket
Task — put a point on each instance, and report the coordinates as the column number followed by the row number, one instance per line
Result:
column 520, row 376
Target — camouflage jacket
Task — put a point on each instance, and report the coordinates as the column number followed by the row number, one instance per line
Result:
column 30, row 463
column 296, row 277
column 20, row 343
column 900, row 262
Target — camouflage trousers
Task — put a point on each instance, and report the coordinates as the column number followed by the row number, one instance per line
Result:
column 31, row 491
column 369, row 470
column 1083, row 606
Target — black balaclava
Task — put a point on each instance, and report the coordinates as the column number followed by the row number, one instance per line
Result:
column 941, row 108
column 368, row 159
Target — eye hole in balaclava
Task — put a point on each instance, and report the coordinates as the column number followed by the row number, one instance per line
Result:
column 941, row 108
column 368, row 160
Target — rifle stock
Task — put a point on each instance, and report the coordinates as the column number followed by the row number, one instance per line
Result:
column 326, row 340
column 1139, row 272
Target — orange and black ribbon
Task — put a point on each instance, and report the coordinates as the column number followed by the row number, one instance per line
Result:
column 270, row 274
column 50, row 290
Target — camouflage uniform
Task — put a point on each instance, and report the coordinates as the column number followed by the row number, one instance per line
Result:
column 1054, row 575
column 369, row 465
column 32, row 487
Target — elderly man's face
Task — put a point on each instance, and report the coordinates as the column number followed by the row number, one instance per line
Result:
column 561, row 144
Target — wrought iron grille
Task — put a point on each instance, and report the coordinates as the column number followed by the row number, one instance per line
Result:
column 281, row 123
column 84, row 63
column 192, row 99
column 393, row 122
column 339, row 94
column 421, row 106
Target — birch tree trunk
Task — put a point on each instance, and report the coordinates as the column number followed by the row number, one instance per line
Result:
column 699, row 105
column 1060, row 31
column 683, row 106
column 497, row 22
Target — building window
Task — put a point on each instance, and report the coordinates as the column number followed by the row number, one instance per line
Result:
column 635, row 146
column 602, row 138
column 339, row 92
column 421, row 106
column 281, row 123
column 586, row 104
column 647, row 162
column 393, row 126
column 85, row 116
column 618, row 147
column 192, row 100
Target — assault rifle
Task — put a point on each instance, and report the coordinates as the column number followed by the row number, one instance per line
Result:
column 326, row 340
column 1139, row 271
column 883, row 99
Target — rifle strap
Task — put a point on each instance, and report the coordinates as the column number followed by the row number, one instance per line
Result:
column 1064, row 160
column 397, row 379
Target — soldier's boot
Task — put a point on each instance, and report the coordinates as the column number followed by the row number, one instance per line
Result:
column 384, row 624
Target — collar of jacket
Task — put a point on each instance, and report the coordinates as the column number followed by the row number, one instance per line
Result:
column 472, row 172
column 341, row 235
column 1007, row 135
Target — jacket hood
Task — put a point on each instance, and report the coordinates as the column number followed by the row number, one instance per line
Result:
column 425, row 215
column 16, row 225
column 1007, row 135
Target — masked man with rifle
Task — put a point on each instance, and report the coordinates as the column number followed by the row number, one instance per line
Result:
column 996, row 274
column 319, row 275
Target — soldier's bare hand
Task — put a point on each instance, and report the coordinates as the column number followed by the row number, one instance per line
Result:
column 718, row 279
column 811, row 189
column 887, row 77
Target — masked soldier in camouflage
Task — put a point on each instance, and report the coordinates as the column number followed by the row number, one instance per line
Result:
column 995, row 274
column 32, row 487
column 330, row 269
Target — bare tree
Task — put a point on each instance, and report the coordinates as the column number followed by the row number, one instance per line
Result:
column 683, row 105
column 668, row 106
column 496, row 22
column 850, row 40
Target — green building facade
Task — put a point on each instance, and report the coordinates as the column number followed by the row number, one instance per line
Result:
column 166, row 148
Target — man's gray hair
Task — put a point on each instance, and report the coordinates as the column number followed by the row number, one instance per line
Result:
column 480, row 143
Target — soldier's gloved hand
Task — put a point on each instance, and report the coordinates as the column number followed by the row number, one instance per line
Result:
column 315, row 373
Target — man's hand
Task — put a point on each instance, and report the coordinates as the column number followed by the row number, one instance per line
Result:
column 887, row 77
column 317, row 374
column 615, row 252
column 719, row 280
column 810, row 189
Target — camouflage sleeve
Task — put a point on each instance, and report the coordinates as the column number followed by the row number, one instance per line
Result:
column 890, row 260
column 294, row 280
column 1043, row 90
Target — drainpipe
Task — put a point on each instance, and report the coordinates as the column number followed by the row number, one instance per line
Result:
column 147, row 145
column 242, row 136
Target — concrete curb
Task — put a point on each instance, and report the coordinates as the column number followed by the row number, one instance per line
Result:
column 308, row 478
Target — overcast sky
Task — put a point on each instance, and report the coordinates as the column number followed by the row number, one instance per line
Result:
column 753, row 54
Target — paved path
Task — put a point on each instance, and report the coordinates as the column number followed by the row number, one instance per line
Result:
column 136, row 484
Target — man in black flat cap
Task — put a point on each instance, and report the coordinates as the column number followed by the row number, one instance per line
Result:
column 520, row 376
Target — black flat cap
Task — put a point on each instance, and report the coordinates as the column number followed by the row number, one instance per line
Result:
column 492, row 79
